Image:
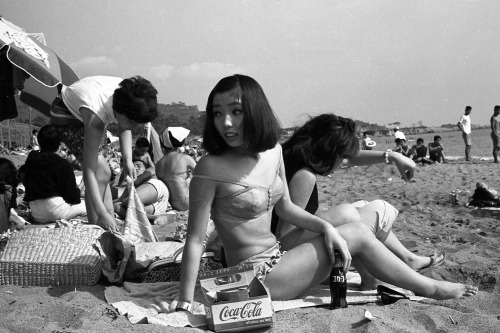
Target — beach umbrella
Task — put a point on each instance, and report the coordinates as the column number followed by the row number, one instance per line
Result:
column 41, row 66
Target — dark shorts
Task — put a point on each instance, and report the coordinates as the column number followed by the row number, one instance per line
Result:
column 71, row 131
column 73, row 137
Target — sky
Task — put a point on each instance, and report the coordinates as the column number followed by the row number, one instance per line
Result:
column 376, row 61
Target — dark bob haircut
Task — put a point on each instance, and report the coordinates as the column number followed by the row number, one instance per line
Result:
column 321, row 142
column 48, row 139
column 136, row 99
column 261, row 126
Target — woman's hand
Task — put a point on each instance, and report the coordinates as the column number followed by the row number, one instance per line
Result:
column 333, row 241
column 107, row 222
column 405, row 165
column 129, row 170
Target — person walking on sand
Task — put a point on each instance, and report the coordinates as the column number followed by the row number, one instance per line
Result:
column 241, row 180
column 495, row 132
column 465, row 126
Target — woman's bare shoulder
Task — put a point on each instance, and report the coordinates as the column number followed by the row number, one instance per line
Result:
column 207, row 165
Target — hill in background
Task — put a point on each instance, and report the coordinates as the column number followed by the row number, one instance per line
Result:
column 174, row 114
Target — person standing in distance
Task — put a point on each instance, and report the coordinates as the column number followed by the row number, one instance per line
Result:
column 495, row 132
column 465, row 126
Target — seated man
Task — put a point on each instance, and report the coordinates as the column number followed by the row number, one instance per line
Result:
column 152, row 192
column 175, row 168
column 436, row 150
column 50, row 183
column 418, row 153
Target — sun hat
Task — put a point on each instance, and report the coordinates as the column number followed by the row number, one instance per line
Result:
column 371, row 143
column 173, row 137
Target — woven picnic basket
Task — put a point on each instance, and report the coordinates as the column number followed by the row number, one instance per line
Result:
column 51, row 257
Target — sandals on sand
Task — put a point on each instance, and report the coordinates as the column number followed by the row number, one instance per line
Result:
column 437, row 259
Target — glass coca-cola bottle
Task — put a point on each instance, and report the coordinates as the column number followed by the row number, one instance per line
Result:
column 338, row 284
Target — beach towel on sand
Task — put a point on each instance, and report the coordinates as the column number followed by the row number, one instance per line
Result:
column 116, row 248
column 154, row 303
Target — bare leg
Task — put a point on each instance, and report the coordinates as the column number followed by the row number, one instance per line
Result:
column 467, row 152
column 309, row 264
column 103, row 175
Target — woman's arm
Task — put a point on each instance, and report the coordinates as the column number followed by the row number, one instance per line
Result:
column 288, row 211
column 94, row 131
column 405, row 165
column 126, row 150
column 201, row 195
column 300, row 188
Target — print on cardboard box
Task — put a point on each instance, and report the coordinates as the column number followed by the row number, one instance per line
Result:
column 237, row 300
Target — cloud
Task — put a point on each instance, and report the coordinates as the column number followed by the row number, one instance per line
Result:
column 208, row 70
column 161, row 72
column 95, row 65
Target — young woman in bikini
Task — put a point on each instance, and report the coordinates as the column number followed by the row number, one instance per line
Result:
column 240, row 181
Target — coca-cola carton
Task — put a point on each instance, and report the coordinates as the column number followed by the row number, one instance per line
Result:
column 237, row 300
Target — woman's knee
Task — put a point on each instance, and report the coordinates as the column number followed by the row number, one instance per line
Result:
column 103, row 172
column 356, row 232
column 340, row 215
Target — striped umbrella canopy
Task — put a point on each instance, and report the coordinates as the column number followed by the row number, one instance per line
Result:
column 43, row 67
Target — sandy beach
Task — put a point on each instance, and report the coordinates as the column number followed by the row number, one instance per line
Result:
column 427, row 222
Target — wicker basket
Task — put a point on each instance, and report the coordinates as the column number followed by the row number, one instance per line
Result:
column 51, row 257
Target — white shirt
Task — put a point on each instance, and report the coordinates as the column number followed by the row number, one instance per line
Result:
column 466, row 124
column 94, row 93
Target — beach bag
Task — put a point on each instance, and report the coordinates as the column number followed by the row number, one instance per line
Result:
column 484, row 196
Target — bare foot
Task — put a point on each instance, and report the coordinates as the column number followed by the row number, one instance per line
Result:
column 449, row 290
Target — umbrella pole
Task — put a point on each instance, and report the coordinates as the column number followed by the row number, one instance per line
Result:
column 10, row 141
column 30, row 121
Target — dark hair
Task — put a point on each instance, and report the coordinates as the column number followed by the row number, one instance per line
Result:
column 436, row 137
column 138, row 160
column 48, row 139
column 497, row 107
column 136, row 99
column 34, row 131
column 142, row 142
column 468, row 107
column 420, row 140
column 261, row 126
column 397, row 141
column 8, row 173
column 322, row 141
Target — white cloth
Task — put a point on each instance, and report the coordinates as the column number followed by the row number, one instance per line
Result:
column 55, row 208
column 94, row 93
column 466, row 123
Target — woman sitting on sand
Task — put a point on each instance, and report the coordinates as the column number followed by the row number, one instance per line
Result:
column 175, row 168
column 240, row 181
column 321, row 143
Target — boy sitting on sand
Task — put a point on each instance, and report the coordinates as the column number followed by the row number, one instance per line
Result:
column 436, row 150
column 152, row 192
column 418, row 153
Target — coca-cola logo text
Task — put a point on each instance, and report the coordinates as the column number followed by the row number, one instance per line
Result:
column 338, row 278
column 248, row 310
